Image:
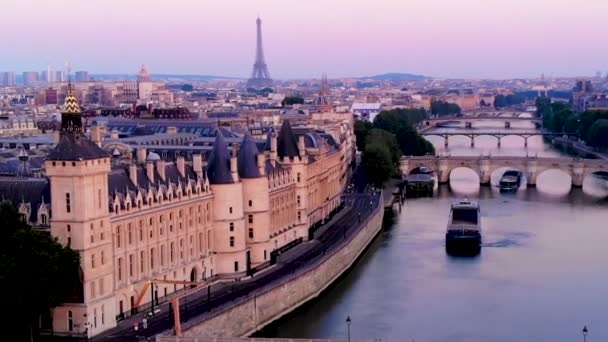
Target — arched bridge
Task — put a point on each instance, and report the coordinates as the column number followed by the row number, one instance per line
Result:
column 469, row 120
column 484, row 166
column 497, row 135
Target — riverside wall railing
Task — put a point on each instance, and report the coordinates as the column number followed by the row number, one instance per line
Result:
column 243, row 339
column 307, row 262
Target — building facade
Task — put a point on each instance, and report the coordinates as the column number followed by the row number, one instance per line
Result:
column 146, row 219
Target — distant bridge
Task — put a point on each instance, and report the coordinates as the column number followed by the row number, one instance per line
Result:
column 484, row 166
column 469, row 120
column 497, row 135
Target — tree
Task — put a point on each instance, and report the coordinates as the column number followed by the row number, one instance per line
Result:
column 362, row 128
column 572, row 124
column 267, row 90
column 291, row 100
column 187, row 87
column 377, row 162
column 36, row 273
column 400, row 122
column 384, row 138
column 598, row 134
column 413, row 144
column 558, row 120
column 443, row 108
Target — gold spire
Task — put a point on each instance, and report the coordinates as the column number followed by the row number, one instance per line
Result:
column 70, row 105
column 71, row 118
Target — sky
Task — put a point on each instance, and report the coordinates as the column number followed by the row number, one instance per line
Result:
column 305, row 38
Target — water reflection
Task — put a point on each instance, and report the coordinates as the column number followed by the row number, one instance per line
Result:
column 524, row 285
column 541, row 274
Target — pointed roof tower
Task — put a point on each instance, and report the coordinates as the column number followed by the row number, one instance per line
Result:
column 218, row 167
column 287, row 145
column 73, row 144
column 247, row 158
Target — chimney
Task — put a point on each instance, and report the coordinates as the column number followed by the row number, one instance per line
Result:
column 150, row 170
column 96, row 136
column 262, row 163
column 141, row 155
column 197, row 164
column 160, row 168
column 171, row 130
column 301, row 145
column 233, row 165
column 181, row 165
column 133, row 173
column 273, row 147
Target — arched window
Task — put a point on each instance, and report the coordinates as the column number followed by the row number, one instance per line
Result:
column 70, row 321
column 43, row 219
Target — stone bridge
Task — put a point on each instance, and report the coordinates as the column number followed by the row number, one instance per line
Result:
column 469, row 120
column 484, row 166
column 497, row 135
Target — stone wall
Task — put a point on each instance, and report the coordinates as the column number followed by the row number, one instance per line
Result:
column 269, row 304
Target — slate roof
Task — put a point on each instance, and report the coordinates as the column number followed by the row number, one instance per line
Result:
column 247, row 158
column 26, row 190
column 75, row 146
column 287, row 145
column 218, row 167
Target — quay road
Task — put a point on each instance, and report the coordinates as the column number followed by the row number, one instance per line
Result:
column 358, row 205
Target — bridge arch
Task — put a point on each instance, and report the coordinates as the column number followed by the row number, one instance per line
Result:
column 595, row 184
column 464, row 180
column 555, row 181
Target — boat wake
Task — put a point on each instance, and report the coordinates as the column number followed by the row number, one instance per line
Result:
column 515, row 239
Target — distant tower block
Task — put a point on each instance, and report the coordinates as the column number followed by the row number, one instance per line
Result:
column 260, row 77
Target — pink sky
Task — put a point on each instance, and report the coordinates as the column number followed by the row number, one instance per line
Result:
column 304, row 38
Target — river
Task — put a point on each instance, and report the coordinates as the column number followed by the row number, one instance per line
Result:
column 542, row 273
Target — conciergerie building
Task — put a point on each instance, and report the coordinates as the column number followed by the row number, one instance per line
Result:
column 218, row 215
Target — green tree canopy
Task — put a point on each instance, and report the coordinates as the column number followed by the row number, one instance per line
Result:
column 362, row 128
column 378, row 163
column 558, row 120
column 36, row 273
column 501, row 101
column 384, row 138
column 291, row 100
column 401, row 122
column 598, row 134
column 572, row 124
column 187, row 87
column 443, row 108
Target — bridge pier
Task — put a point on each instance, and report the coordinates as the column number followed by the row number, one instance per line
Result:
column 499, row 138
column 472, row 141
column 578, row 175
column 445, row 141
column 525, row 141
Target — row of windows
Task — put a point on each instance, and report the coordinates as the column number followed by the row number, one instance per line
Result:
column 172, row 255
column 182, row 218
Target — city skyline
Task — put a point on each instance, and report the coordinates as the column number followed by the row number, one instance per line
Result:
column 343, row 38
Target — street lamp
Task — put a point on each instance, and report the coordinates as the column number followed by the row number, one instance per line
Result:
column 348, row 321
column 585, row 332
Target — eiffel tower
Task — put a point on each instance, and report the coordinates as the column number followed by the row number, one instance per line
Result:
column 260, row 77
